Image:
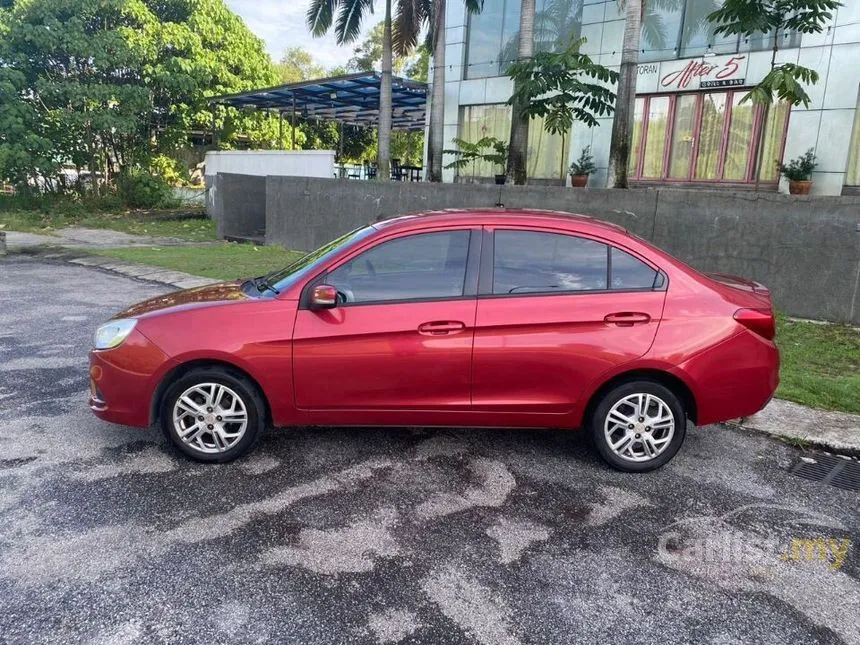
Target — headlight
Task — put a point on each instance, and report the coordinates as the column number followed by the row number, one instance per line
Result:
column 113, row 332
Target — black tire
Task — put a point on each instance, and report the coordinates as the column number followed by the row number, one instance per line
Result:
column 597, row 420
column 241, row 386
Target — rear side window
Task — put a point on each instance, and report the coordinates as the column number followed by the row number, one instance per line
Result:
column 533, row 262
column 630, row 273
column 426, row 265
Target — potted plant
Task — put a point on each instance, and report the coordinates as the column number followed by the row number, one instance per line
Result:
column 488, row 149
column 798, row 172
column 581, row 168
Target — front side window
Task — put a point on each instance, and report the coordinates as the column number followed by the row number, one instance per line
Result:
column 534, row 262
column 422, row 266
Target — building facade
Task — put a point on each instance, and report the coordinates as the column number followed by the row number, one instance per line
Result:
column 690, row 128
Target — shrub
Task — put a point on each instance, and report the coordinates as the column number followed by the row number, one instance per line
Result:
column 140, row 189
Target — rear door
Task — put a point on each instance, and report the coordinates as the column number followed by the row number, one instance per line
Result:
column 555, row 311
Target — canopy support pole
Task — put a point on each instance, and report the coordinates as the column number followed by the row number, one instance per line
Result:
column 280, row 130
column 293, row 122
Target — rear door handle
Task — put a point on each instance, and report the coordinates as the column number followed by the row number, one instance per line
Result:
column 627, row 318
column 441, row 327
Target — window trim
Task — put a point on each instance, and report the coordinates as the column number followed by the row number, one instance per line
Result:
column 757, row 124
column 470, row 280
column 485, row 284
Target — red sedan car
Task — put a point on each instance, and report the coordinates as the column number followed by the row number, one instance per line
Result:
column 493, row 318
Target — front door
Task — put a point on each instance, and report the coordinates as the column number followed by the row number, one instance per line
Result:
column 401, row 335
column 555, row 312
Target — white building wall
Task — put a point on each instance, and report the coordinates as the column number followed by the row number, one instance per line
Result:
column 826, row 125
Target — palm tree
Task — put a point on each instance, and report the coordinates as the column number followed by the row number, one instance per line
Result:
column 622, row 124
column 347, row 28
column 519, row 141
column 411, row 17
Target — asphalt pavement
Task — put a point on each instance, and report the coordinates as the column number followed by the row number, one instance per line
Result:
column 329, row 536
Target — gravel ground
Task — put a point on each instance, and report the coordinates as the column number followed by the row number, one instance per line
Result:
column 385, row 535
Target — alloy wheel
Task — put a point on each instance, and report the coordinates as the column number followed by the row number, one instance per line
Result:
column 639, row 427
column 210, row 418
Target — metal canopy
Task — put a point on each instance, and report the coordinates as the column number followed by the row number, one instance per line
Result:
column 351, row 99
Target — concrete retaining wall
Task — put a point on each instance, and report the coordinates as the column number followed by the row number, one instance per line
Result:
column 237, row 203
column 806, row 249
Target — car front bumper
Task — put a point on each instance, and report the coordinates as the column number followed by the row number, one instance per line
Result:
column 123, row 380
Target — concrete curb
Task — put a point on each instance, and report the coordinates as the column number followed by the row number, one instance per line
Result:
column 836, row 432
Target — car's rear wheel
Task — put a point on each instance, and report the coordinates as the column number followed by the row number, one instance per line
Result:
column 638, row 426
column 212, row 414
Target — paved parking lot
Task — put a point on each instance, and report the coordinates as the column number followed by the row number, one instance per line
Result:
column 386, row 536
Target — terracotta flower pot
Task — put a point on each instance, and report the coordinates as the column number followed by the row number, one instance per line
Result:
column 799, row 187
column 578, row 181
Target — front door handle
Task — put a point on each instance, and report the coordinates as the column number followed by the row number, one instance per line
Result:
column 441, row 327
column 627, row 318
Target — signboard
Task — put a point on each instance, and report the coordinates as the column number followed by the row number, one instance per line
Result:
column 692, row 74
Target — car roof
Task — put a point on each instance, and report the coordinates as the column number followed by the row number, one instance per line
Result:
column 482, row 216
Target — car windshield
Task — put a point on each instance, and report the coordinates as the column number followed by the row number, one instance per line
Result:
column 284, row 278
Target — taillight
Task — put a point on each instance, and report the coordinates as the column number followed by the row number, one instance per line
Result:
column 759, row 321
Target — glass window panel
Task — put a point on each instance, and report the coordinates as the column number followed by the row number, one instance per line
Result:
column 636, row 141
column 484, row 39
column 710, row 135
column 661, row 29
column 697, row 34
column 427, row 265
column 853, row 176
column 557, row 23
column 510, row 36
column 759, row 41
column 630, row 273
column 477, row 122
column 740, row 141
column 546, row 152
column 681, row 152
column 530, row 262
column 655, row 142
column 774, row 134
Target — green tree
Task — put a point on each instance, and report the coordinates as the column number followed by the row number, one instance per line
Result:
column 563, row 87
column 112, row 82
column 298, row 64
column 754, row 17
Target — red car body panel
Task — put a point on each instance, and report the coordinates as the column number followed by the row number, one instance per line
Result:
column 531, row 360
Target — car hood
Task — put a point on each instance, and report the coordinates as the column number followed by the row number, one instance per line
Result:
column 186, row 298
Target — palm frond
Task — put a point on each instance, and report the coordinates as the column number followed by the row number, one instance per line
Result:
column 408, row 19
column 349, row 19
column 319, row 16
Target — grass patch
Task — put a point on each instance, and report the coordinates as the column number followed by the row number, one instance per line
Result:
column 225, row 261
column 196, row 229
column 820, row 365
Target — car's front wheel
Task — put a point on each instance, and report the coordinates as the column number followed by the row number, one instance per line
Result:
column 638, row 426
column 212, row 415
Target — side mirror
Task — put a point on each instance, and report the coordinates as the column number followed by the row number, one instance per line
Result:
column 323, row 296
